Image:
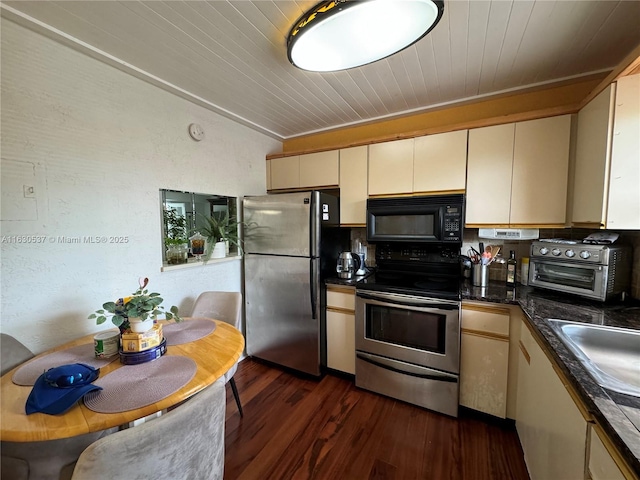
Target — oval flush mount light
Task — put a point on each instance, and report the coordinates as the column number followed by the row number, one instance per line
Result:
column 340, row 34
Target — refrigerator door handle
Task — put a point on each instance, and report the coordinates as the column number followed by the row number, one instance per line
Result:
column 312, row 287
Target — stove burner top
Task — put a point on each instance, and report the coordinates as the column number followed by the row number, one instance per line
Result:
column 421, row 270
column 435, row 287
column 434, row 283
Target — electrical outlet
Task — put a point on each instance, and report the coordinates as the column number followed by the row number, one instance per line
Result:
column 29, row 191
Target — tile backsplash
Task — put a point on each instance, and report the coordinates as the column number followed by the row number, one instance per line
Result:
column 498, row 271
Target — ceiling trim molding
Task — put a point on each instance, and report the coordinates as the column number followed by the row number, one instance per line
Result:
column 627, row 66
column 65, row 39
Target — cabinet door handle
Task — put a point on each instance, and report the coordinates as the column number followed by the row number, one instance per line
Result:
column 523, row 349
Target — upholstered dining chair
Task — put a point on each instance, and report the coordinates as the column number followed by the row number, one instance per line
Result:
column 13, row 353
column 46, row 460
column 226, row 307
column 185, row 443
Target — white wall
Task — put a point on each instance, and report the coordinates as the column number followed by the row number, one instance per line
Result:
column 98, row 145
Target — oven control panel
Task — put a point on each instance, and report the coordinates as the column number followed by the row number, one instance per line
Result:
column 570, row 251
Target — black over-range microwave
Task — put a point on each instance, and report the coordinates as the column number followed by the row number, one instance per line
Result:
column 425, row 219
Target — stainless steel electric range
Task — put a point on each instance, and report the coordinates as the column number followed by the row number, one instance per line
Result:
column 408, row 325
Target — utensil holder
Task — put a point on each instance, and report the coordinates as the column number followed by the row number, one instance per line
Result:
column 480, row 275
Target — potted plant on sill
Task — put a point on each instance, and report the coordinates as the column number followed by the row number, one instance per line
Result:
column 221, row 231
column 176, row 242
column 137, row 312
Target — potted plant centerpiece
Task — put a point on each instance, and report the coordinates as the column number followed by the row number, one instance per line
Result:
column 175, row 241
column 136, row 312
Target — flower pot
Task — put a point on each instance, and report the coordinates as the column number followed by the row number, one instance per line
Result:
column 140, row 326
column 219, row 250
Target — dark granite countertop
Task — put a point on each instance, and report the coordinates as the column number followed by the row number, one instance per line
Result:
column 346, row 282
column 617, row 414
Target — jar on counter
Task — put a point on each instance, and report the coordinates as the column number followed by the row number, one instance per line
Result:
column 524, row 271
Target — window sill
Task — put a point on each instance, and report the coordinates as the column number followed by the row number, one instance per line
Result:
column 192, row 262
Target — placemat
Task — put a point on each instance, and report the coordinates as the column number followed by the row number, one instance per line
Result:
column 188, row 331
column 28, row 373
column 136, row 386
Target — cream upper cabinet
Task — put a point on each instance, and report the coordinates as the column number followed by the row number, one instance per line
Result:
column 341, row 343
column 440, row 162
column 320, row 169
column 312, row 170
column 484, row 358
column 391, row 167
column 268, row 174
column 489, row 174
column 353, row 186
column 607, row 163
column 623, row 210
column 531, row 181
column 591, row 170
column 285, row 172
column 551, row 427
column 540, row 171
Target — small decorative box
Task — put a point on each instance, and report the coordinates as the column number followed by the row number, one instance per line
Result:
column 135, row 358
column 139, row 342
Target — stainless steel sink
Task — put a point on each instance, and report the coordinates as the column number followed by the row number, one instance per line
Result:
column 610, row 355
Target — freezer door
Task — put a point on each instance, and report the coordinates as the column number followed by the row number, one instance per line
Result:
column 279, row 224
column 283, row 322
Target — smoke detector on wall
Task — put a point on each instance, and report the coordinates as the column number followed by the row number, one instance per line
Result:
column 196, row 132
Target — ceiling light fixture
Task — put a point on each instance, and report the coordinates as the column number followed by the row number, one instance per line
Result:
column 340, row 34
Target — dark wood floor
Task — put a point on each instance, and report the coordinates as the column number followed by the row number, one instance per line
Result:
column 298, row 428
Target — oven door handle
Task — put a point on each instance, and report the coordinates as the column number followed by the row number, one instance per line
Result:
column 438, row 305
column 443, row 377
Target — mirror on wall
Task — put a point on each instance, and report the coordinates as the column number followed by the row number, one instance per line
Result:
column 194, row 224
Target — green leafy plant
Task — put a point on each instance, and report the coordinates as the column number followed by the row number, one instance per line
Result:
column 175, row 227
column 141, row 304
column 220, row 226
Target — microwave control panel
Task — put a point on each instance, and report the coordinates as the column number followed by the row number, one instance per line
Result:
column 452, row 224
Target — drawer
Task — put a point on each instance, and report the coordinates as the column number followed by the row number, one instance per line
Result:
column 486, row 319
column 341, row 298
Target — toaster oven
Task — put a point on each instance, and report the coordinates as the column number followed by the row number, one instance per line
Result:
column 598, row 272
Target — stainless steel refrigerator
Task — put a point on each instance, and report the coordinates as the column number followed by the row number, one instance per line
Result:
column 292, row 242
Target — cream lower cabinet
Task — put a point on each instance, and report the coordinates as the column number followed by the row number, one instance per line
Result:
column 353, row 186
column 602, row 466
column 341, row 343
column 551, row 427
column 484, row 358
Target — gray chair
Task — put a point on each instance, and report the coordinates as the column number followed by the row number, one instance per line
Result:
column 13, row 353
column 227, row 307
column 46, row 460
column 185, row 443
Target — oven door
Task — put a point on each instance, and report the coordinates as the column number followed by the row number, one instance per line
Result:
column 586, row 280
column 418, row 330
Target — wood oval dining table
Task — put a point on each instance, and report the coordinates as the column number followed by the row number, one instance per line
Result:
column 213, row 354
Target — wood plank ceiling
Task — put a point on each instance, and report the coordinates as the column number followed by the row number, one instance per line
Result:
column 230, row 56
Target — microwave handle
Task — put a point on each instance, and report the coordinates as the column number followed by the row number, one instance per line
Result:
column 438, row 305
